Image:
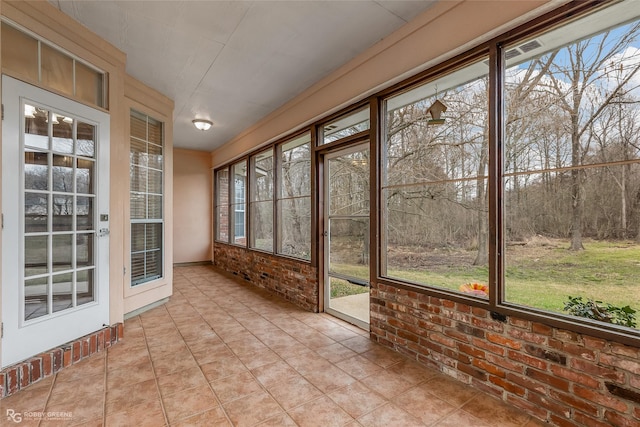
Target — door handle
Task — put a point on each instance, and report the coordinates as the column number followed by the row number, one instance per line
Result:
column 103, row 232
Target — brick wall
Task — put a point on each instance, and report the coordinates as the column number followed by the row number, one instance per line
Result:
column 562, row 377
column 23, row 374
column 294, row 280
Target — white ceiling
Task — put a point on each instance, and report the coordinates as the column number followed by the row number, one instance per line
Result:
column 233, row 62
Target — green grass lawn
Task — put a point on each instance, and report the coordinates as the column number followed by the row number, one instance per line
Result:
column 543, row 276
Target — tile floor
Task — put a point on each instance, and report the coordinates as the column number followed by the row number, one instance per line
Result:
column 223, row 353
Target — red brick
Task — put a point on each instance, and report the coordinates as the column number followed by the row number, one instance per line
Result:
column 471, row 351
column 496, row 349
column 475, row 373
column 570, row 400
column 527, row 383
column 107, row 337
column 564, row 335
column 505, row 363
column 599, row 398
column 487, row 388
column 77, row 351
column 35, row 368
column 556, row 408
column 528, row 407
column 619, row 362
column 504, row 341
column 527, row 336
column 47, row 364
column 546, row 378
column 3, row 384
column 580, row 351
column 562, row 422
column 488, row 367
column 25, row 376
column 57, row 356
column 488, row 324
column 588, row 421
column 519, row 323
column 459, row 336
column 479, row 312
column 527, row 360
column 596, row 370
column 12, row 381
column 619, row 420
column 93, row 345
column 439, row 338
column 594, row 343
column 577, row 377
column 463, row 308
column 506, row 385
column 541, row 329
column 66, row 357
column 625, row 350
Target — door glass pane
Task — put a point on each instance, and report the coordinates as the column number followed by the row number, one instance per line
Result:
column 35, row 298
column 155, row 156
column 349, row 247
column 86, row 140
column 36, row 170
column 35, row 255
column 36, row 212
column 137, row 237
column 138, row 178
column 36, row 127
column 62, row 252
column 62, row 213
column 138, row 206
column 84, row 176
column 84, row 287
column 155, row 207
column 349, row 184
column 154, row 181
column 62, row 173
column 62, row 134
column 84, row 214
column 84, row 250
column 62, row 291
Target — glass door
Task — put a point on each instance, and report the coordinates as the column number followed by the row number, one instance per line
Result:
column 55, row 242
column 347, row 235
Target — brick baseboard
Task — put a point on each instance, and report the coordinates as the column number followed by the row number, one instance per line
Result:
column 30, row 371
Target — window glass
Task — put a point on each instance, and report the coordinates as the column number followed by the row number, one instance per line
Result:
column 294, row 198
column 262, row 194
column 346, row 126
column 572, row 168
column 435, row 198
column 146, row 197
column 222, row 205
column 239, row 192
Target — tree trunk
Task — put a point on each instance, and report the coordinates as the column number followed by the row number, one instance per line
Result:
column 577, row 192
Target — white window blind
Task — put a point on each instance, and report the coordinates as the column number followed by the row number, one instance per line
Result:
column 146, row 194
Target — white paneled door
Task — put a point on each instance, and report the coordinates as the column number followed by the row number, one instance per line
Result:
column 55, row 207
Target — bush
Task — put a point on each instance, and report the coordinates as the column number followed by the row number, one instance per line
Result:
column 605, row 312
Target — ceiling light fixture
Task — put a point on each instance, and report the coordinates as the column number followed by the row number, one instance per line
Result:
column 202, row 124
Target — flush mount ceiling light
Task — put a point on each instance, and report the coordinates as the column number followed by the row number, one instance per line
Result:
column 202, row 124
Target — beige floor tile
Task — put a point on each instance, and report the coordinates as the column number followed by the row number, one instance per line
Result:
column 387, row 384
column 329, row 379
column 148, row 414
column 359, row 367
column 190, row 402
column 222, row 368
column 390, row 415
column 357, row 399
column 72, row 391
column 282, row 420
column 335, row 352
column 181, row 380
column 252, row 409
column 493, row 411
column 460, row 418
column 320, row 412
column 271, row 374
column 212, row 418
column 235, row 386
column 423, row 405
column 383, row 356
column 294, row 391
column 132, row 374
column 126, row 396
column 265, row 357
column 30, row 399
column 449, row 390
